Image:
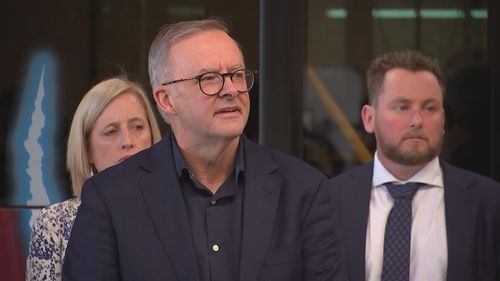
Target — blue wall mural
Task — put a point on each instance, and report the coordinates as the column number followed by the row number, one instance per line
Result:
column 33, row 162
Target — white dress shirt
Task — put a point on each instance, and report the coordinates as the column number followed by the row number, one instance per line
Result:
column 429, row 251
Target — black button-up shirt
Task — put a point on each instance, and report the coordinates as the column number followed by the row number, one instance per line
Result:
column 215, row 219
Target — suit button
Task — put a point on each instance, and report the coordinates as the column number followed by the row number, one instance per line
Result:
column 215, row 248
column 213, row 202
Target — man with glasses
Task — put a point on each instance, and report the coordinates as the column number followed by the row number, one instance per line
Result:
column 205, row 203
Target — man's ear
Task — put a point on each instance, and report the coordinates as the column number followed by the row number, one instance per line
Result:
column 368, row 117
column 163, row 99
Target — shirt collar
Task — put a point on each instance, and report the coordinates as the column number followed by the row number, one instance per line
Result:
column 431, row 174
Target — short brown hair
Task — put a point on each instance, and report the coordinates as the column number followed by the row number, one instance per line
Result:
column 407, row 59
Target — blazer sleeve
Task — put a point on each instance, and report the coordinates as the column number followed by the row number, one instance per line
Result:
column 321, row 245
column 491, row 232
column 92, row 249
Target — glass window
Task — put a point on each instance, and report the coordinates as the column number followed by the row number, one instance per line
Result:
column 343, row 36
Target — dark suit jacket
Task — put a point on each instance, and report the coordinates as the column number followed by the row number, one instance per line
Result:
column 133, row 225
column 472, row 214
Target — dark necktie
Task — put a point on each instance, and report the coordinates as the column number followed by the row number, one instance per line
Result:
column 396, row 265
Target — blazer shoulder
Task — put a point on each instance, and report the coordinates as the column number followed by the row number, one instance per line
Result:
column 361, row 172
column 487, row 188
column 144, row 160
column 282, row 163
column 466, row 176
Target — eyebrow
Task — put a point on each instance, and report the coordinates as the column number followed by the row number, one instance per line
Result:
column 136, row 119
column 400, row 100
column 232, row 68
column 406, row 101
column 133, row 119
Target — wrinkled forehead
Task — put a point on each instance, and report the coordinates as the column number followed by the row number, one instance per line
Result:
column 204, row 49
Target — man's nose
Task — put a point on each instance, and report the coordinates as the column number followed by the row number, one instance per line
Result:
column 228, row 88
column 416, row 119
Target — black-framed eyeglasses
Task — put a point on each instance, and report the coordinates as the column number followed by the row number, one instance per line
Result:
column 211, row 83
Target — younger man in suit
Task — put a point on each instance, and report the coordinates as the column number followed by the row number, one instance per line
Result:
column 205, row 203
column 444, row 222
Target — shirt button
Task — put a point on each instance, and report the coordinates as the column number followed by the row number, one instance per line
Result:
column 215, row 248
column 213, row 202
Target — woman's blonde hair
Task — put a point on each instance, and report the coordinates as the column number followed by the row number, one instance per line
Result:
column 89, row 109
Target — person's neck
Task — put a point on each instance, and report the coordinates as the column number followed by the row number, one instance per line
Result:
column 211, row 162
column 401, row 172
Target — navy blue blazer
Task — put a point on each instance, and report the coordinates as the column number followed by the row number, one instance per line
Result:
column 132, row 223
column 472, row 214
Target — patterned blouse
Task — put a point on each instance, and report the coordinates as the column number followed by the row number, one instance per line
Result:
column 49, row 239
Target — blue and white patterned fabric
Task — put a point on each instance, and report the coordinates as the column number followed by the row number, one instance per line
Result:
column 396, row 266
column 51, row 231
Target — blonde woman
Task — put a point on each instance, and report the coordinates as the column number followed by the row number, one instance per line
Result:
column 113, row 121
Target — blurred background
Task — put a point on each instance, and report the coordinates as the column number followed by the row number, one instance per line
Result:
column 311, row 57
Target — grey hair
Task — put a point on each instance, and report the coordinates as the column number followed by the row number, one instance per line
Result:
column 168, row 35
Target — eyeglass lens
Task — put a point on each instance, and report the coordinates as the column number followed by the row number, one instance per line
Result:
column 211, row 83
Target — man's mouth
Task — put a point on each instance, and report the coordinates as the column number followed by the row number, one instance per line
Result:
column 227, row 110
column 419, row 137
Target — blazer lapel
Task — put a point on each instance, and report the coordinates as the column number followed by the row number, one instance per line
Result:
column 461, row 213
column 354, row 200
column 163, row 197
column 262, row 191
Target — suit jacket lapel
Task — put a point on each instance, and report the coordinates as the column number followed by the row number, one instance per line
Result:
column 163, row 197
column 262, row 191
column 355, row 201
column 461, row 213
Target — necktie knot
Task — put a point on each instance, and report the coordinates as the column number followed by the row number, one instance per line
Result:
column 402, row 191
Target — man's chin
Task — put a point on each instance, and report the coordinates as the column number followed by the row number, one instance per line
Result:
column 228, row 134
column 411, row 158
column 231, row 130
column 412, row 161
